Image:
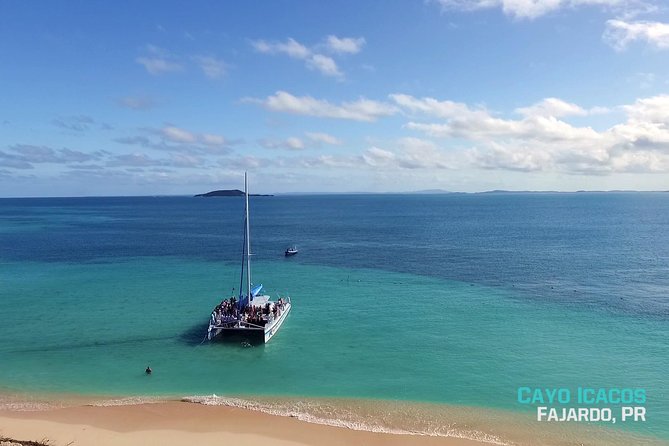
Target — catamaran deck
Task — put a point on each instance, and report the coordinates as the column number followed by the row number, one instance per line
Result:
column 258, row 321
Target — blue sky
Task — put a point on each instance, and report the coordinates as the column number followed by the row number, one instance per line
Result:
column 143, row 98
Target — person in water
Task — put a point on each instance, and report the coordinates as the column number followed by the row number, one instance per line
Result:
column 148, row 370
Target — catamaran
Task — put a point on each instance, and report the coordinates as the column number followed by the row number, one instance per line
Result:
column 251, row 316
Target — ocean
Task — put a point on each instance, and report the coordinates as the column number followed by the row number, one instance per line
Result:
column 411, row 313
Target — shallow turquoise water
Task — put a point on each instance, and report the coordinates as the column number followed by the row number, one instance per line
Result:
column 452, row 300
column 92, row 328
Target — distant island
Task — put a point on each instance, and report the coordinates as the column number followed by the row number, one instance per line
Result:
column 229, row 193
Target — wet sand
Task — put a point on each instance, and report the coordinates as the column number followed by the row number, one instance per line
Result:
column 179, row 423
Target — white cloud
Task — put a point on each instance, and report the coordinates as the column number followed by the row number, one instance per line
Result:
column 178, row 135
column 202, row 142
column 212, row 140
column 552, row 107
column 295, row 143
column 360, row 110
column 212, row 67
column 137, row 102
column 654, row 109
column 159, row 61
column 324, row 138
column 326, row 65
column 186, row 160
column 462, row 121
column 290, row 47
column 410, row 153
column 158, row 65
column 531, row 9
column 23, row 156
column 541, row 141
column 500, row 156
column 292, row 143
column 78, row 123
column 420, row 153
column 136, row 159
column 345, row 45
column 313, row 59
column 178, row 140
column 434, row 107
column 619, row 33
column 377, row 157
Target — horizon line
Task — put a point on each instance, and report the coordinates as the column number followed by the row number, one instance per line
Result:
column 418, row 192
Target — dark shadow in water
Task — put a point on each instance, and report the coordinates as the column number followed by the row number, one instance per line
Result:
column 240, row 340
column 92, row 344
column 195, row 335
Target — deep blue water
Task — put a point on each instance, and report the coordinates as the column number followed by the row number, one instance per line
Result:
column 609, row 250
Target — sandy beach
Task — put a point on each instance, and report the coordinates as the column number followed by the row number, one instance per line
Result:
column 178, row 423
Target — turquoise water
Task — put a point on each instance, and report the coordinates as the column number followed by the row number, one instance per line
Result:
column 90, row 325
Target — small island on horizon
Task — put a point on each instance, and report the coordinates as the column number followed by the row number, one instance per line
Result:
column 230, row 193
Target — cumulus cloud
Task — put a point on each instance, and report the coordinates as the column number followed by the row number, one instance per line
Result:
column 531, row 9
column 140, row 160
column 212, row 67
column 359, row 110
column 542, row 141
column 157, row 65
column 326, row 65
column 45, row 154
column 136, row 159
column 24, row 156
column 191, row 141
column 78, row 123
column 323, row 138
column 345, row 45
column 312, row 57
column 619, row 34
column 14, row 161
column 552, row 107
column 313, row 140
column 178, row 135
column 654, row 109
column 463, row 121
column 212, row 140
column 175, row 139
column 292, row 143
column 377, row 157
column 137, row 102
column 290, row 47
column 410, row 153
column 433, row 107
column 540, row 137
column 158, row 61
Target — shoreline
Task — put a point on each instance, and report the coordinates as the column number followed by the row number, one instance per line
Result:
column 176, row 423
column 171, row 420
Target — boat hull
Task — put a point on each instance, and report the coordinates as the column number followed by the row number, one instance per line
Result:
column 252, row 335
column 271, row 329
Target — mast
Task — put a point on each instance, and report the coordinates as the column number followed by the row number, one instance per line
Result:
column 248, row 241
column 241, row 276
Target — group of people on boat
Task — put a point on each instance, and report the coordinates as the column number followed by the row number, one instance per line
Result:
column 228, row 311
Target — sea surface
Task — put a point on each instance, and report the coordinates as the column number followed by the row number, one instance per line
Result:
column 411, row 313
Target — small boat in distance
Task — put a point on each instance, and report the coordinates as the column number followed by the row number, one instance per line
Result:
column 251, row 317
column 291, row 251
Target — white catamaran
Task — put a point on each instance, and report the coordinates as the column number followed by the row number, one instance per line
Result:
column 251, row 316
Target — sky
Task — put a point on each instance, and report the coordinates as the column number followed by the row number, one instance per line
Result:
column 177, row 97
